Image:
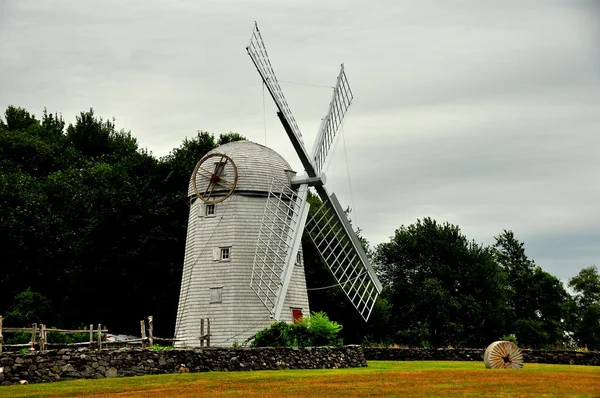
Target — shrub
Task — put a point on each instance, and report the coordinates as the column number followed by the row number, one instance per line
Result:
column 19, row 337
column 158, row 347
column 510, row 337
column 64, row 338
column 276, row 335
column 322, row 330
column 314, row 330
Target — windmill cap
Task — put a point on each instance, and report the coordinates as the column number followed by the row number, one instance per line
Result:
column 257, row 167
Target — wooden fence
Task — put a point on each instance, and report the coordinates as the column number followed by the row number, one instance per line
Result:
column 39, row 336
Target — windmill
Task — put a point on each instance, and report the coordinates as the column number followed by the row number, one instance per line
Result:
column 243, row 266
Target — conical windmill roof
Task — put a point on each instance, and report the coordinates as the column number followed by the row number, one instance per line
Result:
column 257, row 166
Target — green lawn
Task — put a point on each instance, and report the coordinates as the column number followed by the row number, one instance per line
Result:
column 381, row 378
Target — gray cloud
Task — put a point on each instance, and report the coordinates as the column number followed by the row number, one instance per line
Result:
column 483, row 114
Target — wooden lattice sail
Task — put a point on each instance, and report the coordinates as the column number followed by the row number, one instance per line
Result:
column 503, row 355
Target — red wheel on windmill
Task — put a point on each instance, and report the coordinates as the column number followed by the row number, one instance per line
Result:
column 214, row 178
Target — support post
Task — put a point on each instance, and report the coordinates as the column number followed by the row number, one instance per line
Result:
column 1, row 337
column 143, row 332
column 91, row 335
column 43, row 338
column 207, row 332
column 202, row 332
column 99, row 337
column 34, row 332
column 151, row 330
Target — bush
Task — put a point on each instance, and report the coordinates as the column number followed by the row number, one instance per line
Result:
column 276, row 335
column 158, row 347
column 510, row 337
column 322, row 330
column 18, row 337
column 314, row 330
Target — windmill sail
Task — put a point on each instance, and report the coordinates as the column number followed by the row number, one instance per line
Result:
column 343, row 254
column 258, row 53
column 279, row 240
column 342, row 98
column 329, row 229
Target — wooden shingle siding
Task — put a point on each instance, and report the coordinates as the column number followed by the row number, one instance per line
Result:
column 236, row 223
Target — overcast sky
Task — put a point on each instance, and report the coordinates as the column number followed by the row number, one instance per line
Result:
column 483, row 114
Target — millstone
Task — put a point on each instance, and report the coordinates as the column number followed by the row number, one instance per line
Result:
column 503, row 355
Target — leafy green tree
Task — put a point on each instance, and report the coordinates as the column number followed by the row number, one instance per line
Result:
column 443, row 289
column 18, row 119
column 539, row 303
column 28, row 307
column 229, row 137
column 85, row 208
column 587, row 286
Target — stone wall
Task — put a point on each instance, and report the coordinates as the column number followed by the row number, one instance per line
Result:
column 89, row 364
column 476, row 354
column 37, row 367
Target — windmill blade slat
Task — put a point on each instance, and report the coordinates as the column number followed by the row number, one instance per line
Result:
column 346, row 261
column 340, row 102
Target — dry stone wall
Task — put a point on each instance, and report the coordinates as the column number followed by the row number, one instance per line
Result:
column 39, row 367
column 88, row 364
column 476, row 354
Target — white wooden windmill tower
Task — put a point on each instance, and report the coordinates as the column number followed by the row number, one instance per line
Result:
column 243, row 265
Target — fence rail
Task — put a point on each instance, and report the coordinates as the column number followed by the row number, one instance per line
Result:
column 39, row 336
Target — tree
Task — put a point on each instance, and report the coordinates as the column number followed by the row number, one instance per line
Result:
column 587, row 286
column 443, row 290
column 539, row 304
column 86, row 208
column 28, row 307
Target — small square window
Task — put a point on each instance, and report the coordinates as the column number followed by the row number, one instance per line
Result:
column 209, row 210
column 221, row 254
column 216, row 295
column 298, row 258
column 225, row 254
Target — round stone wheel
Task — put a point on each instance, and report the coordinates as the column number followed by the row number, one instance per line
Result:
column 503, row 355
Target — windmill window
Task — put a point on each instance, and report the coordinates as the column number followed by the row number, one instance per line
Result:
column 225, row 254
column 209, row 210
column 222, row 254
column 216, row 295
column 298, row 258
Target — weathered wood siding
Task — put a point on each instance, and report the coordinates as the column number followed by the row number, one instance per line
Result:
column 235, row 224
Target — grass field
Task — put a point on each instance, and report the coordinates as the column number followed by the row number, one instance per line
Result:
column 381, row 378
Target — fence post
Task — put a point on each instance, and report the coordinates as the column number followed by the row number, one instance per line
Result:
column 99, row 337
column 143, row 331
column 34, row 332
column 91, row 335
column 43, row 337
column 208, row 332
column 151, row 330
column 1, row 337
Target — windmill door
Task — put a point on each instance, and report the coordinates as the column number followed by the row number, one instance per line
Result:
column 297, row 314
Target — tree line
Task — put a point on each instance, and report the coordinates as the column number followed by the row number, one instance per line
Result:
column 93, row 227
